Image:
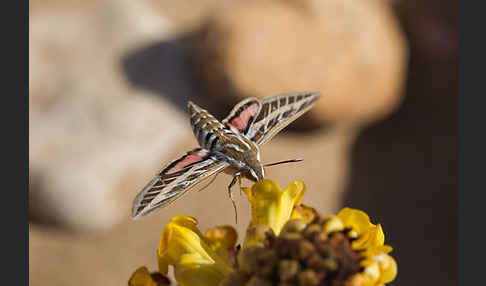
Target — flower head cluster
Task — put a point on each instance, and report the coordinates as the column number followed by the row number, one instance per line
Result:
column 287, row 243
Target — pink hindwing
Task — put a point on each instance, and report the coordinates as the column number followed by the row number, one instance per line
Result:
column 242, row 116
column 191, row 157
column 242, row 122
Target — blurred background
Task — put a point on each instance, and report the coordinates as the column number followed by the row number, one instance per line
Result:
column 109, row 82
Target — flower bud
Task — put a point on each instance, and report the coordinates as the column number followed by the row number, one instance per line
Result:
column 235, row 279
column 288, row 269
column 309, row 278
column 258, row 281
column 293, row 225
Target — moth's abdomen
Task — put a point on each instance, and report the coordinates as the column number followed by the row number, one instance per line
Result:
column 205, row 127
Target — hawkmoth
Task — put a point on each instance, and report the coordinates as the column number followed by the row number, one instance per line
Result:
column 231, row 146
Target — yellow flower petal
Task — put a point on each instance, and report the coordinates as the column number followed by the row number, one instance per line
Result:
column 303, row 212
column 388, row 267
column 183, row 245
column 379, row 269
column 270, row 205
column 222, row 240
column 372, row 238
column 333, row 224
column 355, row 219
column 142, row 277
column 377, row 237
column 371, row 272
column 193, row 270
column 255, row 235
column 369, row 236
column 293, row 194
column 222, row 237
column 384, row 249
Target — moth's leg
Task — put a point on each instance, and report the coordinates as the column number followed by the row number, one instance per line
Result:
column 239, row 183
column 210, row 182
column 233, row 182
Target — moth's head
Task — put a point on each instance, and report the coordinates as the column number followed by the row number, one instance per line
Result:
column 255, row 171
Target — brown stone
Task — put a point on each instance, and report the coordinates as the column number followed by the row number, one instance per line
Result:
column 351, row 51
column 93, row 139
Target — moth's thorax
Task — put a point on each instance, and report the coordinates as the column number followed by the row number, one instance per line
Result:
column 242, row 155
column 250, row 169
column 215, row 136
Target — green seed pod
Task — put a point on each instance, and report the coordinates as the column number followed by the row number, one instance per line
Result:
column 302, row 254
column 267, row 261
column 309, row 278
column 285, row 284
column 235, row 279
column 248, row 259
column 291, row 236
column 293, row 225
column 312, row 231
column 306, row 249
column 330, row 264
column 288, row 269
column 258, row 281
column 257, row 235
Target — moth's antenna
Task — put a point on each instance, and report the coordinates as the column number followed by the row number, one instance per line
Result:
column 283, row 162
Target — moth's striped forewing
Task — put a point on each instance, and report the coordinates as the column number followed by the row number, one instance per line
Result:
column 175, row 179
column 261, row 120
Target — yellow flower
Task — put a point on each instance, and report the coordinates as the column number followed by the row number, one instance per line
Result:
column 142, row 277
column 368, row 235
column 272, row 207
column 221, row 239
column 277, row 217
column 303, row 212
column 378, row 270
column 379, row 267
column 198, row 259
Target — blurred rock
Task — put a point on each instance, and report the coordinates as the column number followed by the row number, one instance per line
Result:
column 88, row 154
column 93, row 140
column 352, row 51
column 35, row 5
column 73, row 46
column 186, row 13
